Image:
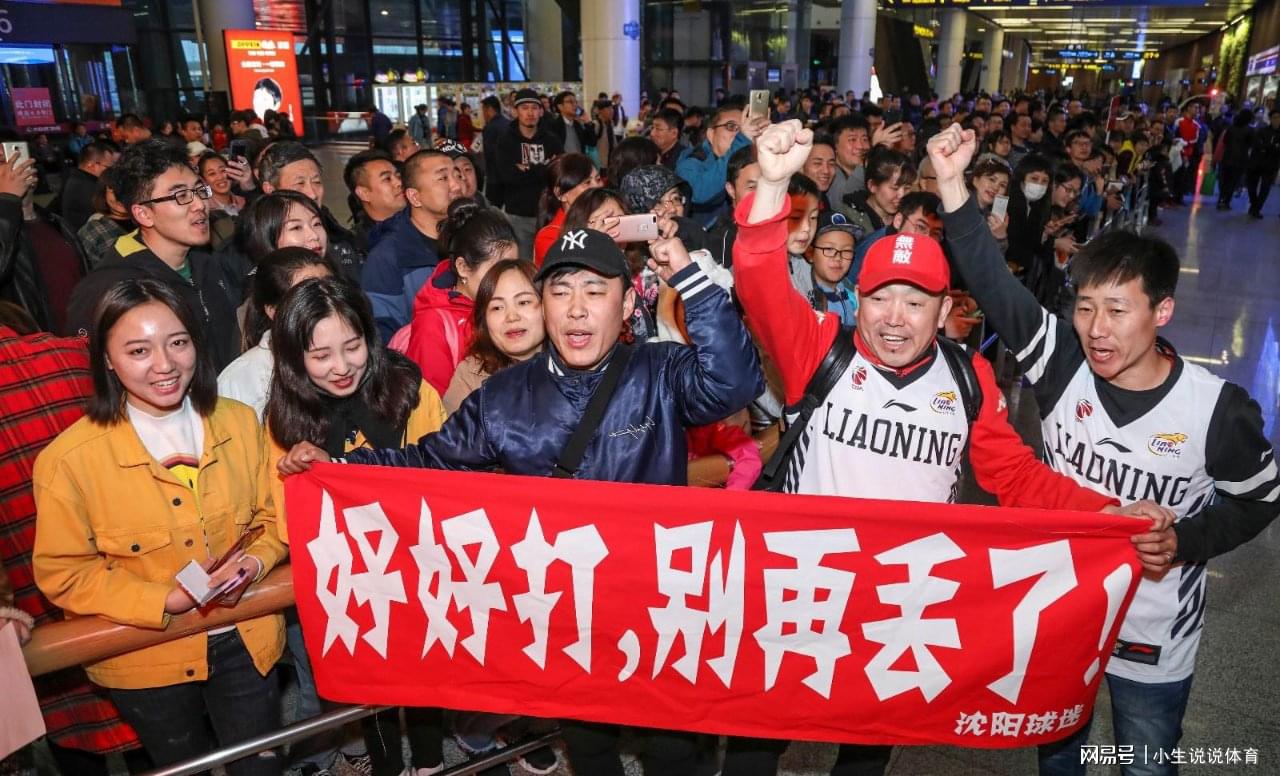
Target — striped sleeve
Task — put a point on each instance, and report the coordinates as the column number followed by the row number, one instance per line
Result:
column 1046, row 347
column 1243, row 465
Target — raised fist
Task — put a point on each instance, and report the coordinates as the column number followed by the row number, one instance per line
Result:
column 951, row 150
column 782, row 150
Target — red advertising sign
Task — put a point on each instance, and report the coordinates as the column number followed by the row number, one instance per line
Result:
column 33, row 107
column 263, row 72
column 756, row 614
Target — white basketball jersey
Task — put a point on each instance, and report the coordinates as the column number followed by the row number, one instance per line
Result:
column 871, row 439
column 1161, row 457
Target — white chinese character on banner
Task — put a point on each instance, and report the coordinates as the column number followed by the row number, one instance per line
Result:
column 434, row 566
column 974, row 724
column 1038, row 724
column 331, row 555
column 472, row 593
column 1052, row 564
column 1070, row 716
column 582, row 549
column 792, row 602
column 911, row 631
column 1006, row 724
column 723, row 587
column 375, row 587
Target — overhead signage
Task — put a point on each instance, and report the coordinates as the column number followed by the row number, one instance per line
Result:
column 1105, row 55
column 922, row 31
column 263, row 72
column 1264, row 62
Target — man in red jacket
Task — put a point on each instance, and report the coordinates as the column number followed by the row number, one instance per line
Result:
column 894, row 425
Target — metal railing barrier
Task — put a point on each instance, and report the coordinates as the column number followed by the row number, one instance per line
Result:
column 79, row 640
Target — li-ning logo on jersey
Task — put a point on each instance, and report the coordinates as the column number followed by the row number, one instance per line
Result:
column 1083, row 409
column 902, row 249
column 575, row 240
column 944, row 402
column 1109, row 442
column 859, row 377
column 1167, row 444
column 899, row 405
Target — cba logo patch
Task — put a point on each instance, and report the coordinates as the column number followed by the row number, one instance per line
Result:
column 1083, row 409
column 944, row 402
column 1166, row 444
column 859, row 376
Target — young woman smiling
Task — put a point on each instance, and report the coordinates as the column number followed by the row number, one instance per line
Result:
column 507, row 326
column 191, row 469
column 338, row 387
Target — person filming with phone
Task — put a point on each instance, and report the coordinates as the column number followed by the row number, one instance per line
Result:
column 192, row 470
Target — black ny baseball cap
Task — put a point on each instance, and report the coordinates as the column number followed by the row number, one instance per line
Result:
column 588, row 249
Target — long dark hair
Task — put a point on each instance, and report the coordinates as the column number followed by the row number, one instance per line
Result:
column 106, row 406
column 297, row 409
column 261, row 223
column 482, row 345
column 566, row 172
column 271, row 281
column 473, row 233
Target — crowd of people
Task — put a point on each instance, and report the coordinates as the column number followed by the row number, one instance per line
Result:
column 718, row 275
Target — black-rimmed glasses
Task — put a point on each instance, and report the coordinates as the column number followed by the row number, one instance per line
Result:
column 182, row 196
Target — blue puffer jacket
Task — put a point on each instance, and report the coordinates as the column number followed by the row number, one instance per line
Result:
column 522, row 417
column 398, row 265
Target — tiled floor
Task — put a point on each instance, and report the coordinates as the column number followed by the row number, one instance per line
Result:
column 1228, row 310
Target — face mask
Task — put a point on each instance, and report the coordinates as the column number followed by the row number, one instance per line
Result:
column 1034, row 191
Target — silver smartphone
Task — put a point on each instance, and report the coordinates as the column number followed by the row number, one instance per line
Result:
column 641, row 227
column 1000, row 206
column 759, row 103
column 15, row 151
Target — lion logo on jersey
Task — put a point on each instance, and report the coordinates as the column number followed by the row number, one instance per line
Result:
column 859, row 376
column 1167, row 444
column 1083, row 409
column 944, row 402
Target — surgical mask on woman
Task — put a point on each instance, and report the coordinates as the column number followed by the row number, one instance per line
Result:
column 1034, row 191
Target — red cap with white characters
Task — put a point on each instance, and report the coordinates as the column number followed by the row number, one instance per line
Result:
column 905, row 258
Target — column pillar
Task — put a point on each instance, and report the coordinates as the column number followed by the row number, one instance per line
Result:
column 216, row 16
column 611, row 50
column 992, row 58
column 544, row 40
column 857, row 45
column 951, row 53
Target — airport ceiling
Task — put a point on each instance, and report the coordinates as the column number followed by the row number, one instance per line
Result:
column 1093, row 24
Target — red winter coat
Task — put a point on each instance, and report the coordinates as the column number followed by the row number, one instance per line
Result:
column 440, row 332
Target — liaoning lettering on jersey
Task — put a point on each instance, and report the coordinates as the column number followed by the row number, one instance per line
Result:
column 706, row 610
column 1159, row 456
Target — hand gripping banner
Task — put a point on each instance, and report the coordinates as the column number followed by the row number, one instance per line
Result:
column 741, row 613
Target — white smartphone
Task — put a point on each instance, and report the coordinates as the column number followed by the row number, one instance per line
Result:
column 759, row 104
column 1000, row 206
column 641, row 227
column 15, row 151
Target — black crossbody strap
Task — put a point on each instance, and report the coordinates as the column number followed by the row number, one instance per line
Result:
column 833, row 364
column 576, row 447
column 961, row 364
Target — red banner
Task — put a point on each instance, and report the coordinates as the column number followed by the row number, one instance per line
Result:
column 33, row 107
column 795, row 617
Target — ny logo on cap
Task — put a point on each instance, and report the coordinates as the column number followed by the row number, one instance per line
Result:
column 575, row 240
column 902, row 249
